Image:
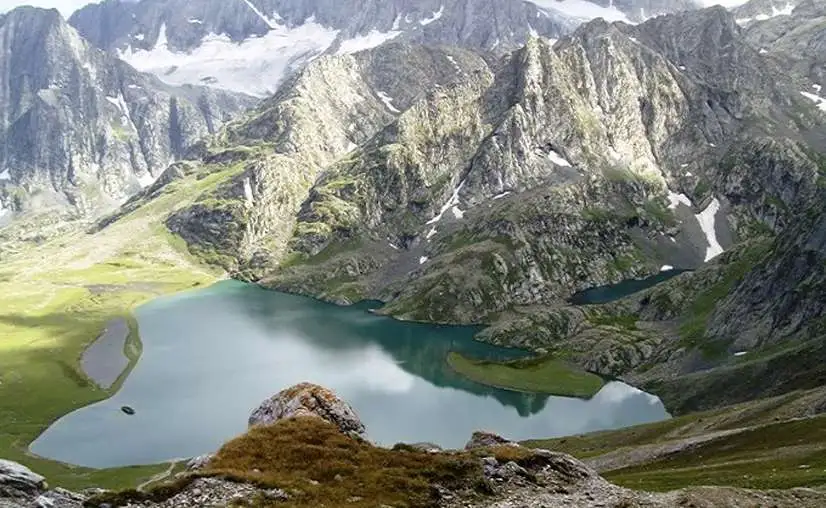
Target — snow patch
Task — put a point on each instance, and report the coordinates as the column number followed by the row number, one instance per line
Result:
column 388, row 101
column 783, row 11
column 459, row 214
column 741, row 353
column 423, row 260
column 255, row 66
column 817, row 88
column 583, row 10
column 452, row 202
column 675, row 200
column 819, row 101
column 763, row 51
column 248, row 191
column 140, row 37
column 688, row 173
column 634, row 39
column 455, row 65
column 368, row 41
column 194, row 21
column 558, row 159
column 500, row 196
column 666, row 268
column 436, row 16
column 682, row 67
column 146, row 180
column 5, row 175
column 393, row 246
column 708, row 223
column 49, row 96
column 431, row 233
column 120, row 103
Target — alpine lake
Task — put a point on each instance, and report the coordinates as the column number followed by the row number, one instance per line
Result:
column 210, row 356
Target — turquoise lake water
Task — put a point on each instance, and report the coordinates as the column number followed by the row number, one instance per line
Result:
column 211, row 356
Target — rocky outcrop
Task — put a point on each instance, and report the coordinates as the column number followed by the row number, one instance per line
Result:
column 17, row 479
column 481, row 439
column 307, row 399
column 22, row 488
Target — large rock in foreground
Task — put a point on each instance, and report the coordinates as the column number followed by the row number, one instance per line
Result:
column 20, row 487
column 307, row 399
column 18, row 480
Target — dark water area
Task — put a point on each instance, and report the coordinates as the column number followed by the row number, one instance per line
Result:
column 211, row 356
column 613, row 292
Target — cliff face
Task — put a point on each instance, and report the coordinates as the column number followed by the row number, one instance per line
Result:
column 794, row 34
column 616, row 151
column 81, row 130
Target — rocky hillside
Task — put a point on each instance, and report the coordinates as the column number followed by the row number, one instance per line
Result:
column 276, row 154
column 611, row 154
column 305, row 446
column 797, row 40
column 82, row 130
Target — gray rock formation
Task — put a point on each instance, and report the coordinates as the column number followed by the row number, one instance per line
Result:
column 795, row 39
column 22, row 488
column 481, row 439
column 18, row 479
column 82, row 130
column 311, row 400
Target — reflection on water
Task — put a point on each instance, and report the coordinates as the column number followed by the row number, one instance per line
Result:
column 211, row 356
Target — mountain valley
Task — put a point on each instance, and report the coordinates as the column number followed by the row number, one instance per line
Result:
column 484, row 163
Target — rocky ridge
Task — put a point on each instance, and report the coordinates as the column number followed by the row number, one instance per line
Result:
column 265, row 41
column 80, row 129
column 252, row 45
column 533, row 136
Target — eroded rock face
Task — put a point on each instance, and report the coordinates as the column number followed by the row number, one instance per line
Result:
column 16, row 479
column 307, row 399
column 20, row 487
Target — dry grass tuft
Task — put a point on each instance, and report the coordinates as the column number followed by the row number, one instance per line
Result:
column 318, row 465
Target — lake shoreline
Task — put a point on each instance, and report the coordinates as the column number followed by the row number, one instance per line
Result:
column 380, row 362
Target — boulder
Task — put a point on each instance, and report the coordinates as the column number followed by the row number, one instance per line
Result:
column 20, row 487
column 18, row 480
column 481, row 439
column 307, row 399
column 199, row 462
column 564, row 465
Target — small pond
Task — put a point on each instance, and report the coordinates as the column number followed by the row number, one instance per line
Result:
column 211, row 356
